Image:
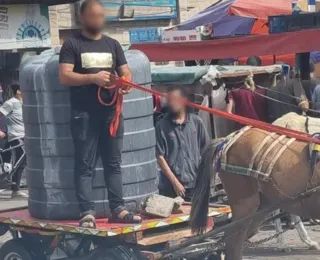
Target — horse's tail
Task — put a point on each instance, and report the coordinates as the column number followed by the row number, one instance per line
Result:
column 200, row 200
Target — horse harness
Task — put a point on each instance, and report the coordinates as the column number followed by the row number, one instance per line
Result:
column 258, row 172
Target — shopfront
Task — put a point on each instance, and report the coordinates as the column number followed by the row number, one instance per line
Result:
column 24, row 30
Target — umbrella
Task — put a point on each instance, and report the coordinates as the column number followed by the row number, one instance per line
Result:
column 238, row 17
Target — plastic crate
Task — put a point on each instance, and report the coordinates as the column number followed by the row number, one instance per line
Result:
column 278, row 24
column 144, row 35
column 295, row 22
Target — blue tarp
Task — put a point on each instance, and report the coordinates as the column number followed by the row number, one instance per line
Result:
column 224, row 24
column 315, row 57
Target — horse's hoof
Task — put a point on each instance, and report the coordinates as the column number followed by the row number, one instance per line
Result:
column 314, row 222
column 314, row 246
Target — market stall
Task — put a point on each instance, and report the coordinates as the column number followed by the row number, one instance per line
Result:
column 276, row 44
column 214, row 81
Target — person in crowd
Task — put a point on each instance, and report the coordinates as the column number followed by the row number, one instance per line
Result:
column 287, row 96
column 3, row 123
column 310, row 84
column 254, row 61
column 11, row 110
column 227, row 62
column 316, row 100
column 181, row 137
column 248, row 101
column 87, row 61
column 314, row 85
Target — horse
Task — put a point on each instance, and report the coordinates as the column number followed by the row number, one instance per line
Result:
column 306, row 124
column 309, row 125
column 259, row 171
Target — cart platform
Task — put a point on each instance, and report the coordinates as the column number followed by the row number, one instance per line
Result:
column 21, row 218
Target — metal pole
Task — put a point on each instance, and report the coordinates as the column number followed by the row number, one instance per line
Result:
column 210, row 104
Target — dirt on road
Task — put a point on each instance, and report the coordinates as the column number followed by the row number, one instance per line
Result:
column 272, row 250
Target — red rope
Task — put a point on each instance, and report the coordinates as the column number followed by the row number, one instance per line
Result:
column 120, row 82
column 117, row 100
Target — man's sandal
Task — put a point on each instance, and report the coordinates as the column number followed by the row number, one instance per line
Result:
column 128, row 218
column 88, row 221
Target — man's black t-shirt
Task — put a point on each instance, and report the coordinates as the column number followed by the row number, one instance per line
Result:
column 89, row 57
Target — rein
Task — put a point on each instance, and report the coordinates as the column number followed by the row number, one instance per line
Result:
column 121, row 82
column 279, row 101
column 284, row 103
column 117, row 100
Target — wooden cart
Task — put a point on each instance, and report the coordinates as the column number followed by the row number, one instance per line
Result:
column 35, row 239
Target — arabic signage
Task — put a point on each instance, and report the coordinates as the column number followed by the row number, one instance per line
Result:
column 180, row 36
column 156, row 34
column 145, row 35
column 24, row 26
column 125, row 10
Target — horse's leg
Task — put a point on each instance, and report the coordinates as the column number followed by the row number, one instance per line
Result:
column 236, row 237
column 303, row 234
column 256, row 223
column 243, row 202
column 280, row 239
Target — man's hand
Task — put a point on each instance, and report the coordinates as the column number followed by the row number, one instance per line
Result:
column 304, row 105
column 125, row 90
column 179, row 189
column 101, row 78
column 2, row 135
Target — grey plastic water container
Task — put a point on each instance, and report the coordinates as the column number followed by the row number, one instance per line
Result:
column 49, row 147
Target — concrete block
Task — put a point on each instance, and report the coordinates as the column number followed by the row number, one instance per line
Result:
column 161, row 206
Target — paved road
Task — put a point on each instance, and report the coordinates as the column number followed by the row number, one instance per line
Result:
column 271, row 250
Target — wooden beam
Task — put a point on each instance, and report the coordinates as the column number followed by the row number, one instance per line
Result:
column 176, row 235
column 165, row 237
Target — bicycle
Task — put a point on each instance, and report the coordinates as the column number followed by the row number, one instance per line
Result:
column 9, row 168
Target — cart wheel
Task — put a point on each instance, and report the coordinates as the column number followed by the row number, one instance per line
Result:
column 14, row 250
column 115, row 253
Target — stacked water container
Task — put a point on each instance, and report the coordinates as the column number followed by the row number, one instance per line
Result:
column 49, row 147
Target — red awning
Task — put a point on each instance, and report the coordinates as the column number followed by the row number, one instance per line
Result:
column 277, row 44
column 260, row 9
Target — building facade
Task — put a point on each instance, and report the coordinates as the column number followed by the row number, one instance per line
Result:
column 64, row 19
column 24, row 31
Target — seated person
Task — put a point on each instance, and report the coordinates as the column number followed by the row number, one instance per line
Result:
column 254, row 61
column 12, row 111
column 181, row 137
column 3, row 124
column 292, row 98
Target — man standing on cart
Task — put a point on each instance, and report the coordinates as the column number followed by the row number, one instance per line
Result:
column 86, row 63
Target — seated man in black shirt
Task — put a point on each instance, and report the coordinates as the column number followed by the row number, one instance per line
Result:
column 291, row 97
column 86, row 63
column 181, row 137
